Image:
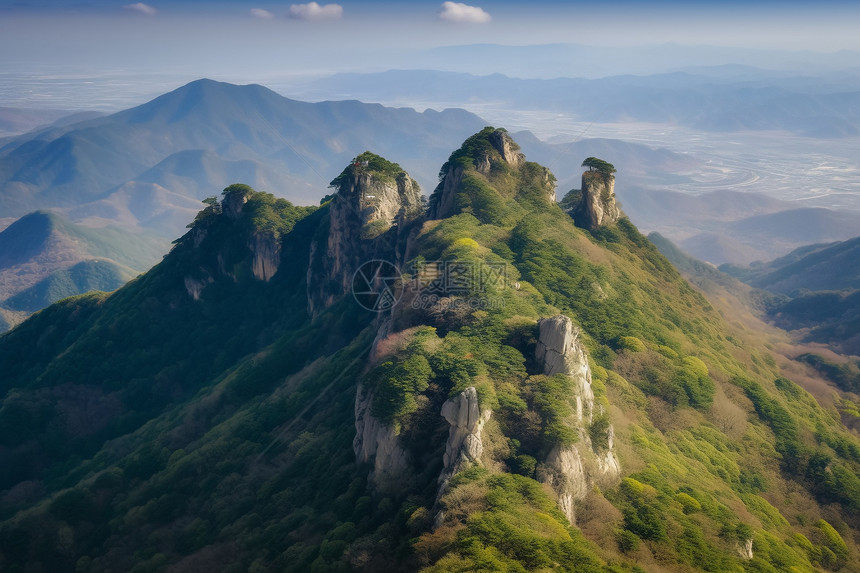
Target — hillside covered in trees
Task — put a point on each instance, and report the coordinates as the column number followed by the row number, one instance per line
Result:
column 509, row 391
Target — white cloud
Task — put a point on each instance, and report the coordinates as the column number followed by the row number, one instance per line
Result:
column 459, row 12
column 141, row 8
column 313, row 11
column 262, row 14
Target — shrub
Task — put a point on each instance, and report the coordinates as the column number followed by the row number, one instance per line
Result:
column 627, row 540
column 688, row 503
column 523, row 464
column 395, row 384
column 693, row 377
column 631, row 343
column 598, row 431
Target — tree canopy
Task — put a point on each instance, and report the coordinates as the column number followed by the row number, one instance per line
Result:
column 595, row 164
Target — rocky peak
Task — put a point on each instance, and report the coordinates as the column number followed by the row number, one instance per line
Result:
column 597, row 207
column 506, row 147
column 235, row 197
column 467, row 179
column 372, row 196
column 241, row 232
column 376, row 192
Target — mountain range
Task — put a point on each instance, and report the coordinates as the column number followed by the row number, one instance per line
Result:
column 484, row 382
column 736, row 227
column 144, row 171
column 150, row 165
column 15, row 121
column 818, row 288
column 699, row 99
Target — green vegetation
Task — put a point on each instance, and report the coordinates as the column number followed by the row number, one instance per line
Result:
column 97, row 275
column 367, row 162
column 220, row 429
column 511, row 526
column 846, row 375
column 603, row 167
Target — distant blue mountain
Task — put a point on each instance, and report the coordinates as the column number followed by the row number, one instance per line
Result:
column 194, row 141
column 712, row 99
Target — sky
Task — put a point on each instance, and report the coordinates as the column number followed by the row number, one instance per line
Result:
column 274, row 41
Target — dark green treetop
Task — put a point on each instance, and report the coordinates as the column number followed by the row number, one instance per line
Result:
column 603, row 167
column 367, row 162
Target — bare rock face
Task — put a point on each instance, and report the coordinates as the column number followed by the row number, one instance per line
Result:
column 466, row 421
column 366, row 205
column 383, row 201
column 195, row 286
column 376, row 443
column 549, row 185
column 266, row 249
column 506, row 147
column 445, row 205
column 608, row 465
column 560, row 352
column 465, row 445
column 564, row 473
column 571, row 471
column 745, row 549
column 598, row 206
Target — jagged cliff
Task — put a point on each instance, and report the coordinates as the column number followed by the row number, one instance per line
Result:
column 598, row 206
column 573, row 470
column 249, row 250
column 558, row 352
column 481, row 421
column 373, row 201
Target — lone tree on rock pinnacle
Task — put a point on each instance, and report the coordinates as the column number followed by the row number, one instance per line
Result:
column 603, row 167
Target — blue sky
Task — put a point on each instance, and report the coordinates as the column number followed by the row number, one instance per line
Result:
column 254, row 41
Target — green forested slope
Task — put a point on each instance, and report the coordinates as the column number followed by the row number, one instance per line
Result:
column 152, row 431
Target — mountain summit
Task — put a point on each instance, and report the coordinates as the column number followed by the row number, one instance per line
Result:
column 374, row 386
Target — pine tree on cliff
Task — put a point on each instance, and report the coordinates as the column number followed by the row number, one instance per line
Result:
column 603, row 167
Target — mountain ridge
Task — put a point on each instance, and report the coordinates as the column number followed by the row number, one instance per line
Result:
column 520, row 356
column 248, row 123
column 44, row 257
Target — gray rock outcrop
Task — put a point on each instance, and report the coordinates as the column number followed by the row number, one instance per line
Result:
column 366, row 205
column 560, row 352
column 598, row 206
column 564, row 473
column 377, row 444
column 266, row 250
column 745, row 549
column 195, row 286
column 571, row 471
column 506, row 147
column 466, row 420
column 465, row 445
column 445, row 205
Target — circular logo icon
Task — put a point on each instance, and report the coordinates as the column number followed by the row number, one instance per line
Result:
column 377, row 285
